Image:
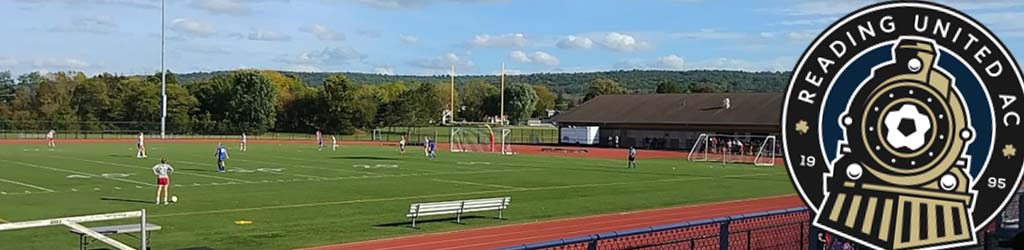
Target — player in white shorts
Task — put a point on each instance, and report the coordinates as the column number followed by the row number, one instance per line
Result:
column 141, row 145
column 163, row 179
column 401, row 144
column 245, row 144
column 334, row 143
column 49, row 139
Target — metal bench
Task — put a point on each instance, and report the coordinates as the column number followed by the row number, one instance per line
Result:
column 128, row 229
column 458, row 208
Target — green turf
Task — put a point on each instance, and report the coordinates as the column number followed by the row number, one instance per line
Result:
column 319, row 198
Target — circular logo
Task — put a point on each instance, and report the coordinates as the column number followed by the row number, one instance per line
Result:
column 901, row 127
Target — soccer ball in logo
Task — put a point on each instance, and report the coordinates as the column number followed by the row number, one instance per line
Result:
column 907, row 127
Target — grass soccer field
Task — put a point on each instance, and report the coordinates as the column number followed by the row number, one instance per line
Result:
column 299, row 197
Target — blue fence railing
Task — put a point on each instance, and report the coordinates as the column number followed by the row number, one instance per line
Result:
column 779, row 229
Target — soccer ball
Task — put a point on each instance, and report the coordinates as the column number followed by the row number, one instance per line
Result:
column 907, row 127
column 174, row 198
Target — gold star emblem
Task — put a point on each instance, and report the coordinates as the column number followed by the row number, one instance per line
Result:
column 801, row 127
column 1009, row 151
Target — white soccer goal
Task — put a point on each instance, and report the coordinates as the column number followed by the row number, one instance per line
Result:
column 759, row 150
column 73, row 223
column 480, row 139
column 376, row 136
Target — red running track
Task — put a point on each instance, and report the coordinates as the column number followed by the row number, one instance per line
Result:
column 502, row 236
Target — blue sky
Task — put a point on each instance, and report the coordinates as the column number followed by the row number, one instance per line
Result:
column 424, row 37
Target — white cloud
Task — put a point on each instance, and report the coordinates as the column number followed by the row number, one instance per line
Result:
column 519, row 56
column 510, row 40
column 544, row 58
column 8, row 62
column 408, row 39
column 384, row 69
column 230, row 7
column 710, row 34
column 302, row 68
column 575, row 42
column 323, row 32
column 68, row 63
column 622, row 42
column 776, row 64
column 801, row 36
column 192, row 27
column 326, row 56
column 93, row 24
column 808, row 21
column 442, row 62
column 538, row 57
column 670, row 62
column 767, row 35
column 267, row 35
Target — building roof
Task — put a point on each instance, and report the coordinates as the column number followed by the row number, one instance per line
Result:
column 704, row 109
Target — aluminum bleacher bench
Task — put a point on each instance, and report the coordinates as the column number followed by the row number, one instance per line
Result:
column 129, row 229
column 458, row 208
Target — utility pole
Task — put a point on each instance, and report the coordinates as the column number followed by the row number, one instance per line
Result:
column 163, row 75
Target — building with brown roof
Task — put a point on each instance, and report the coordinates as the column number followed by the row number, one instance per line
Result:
column 674, row 121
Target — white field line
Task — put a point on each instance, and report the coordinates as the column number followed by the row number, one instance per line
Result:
column 308, row 160
column 420, row 197
column 310, row 167
column 146, row 168
column 76, row 172
column 27, row 185
column 475, row 183
column 268, row 172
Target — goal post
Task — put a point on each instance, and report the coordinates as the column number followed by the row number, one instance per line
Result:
column 480, row 139
column 74, row 223
column 760, row 150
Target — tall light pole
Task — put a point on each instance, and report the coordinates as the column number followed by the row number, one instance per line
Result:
column 453, row 96
column 502, row 117
column 163, row 76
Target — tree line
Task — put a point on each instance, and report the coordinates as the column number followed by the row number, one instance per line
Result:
column 252, row 101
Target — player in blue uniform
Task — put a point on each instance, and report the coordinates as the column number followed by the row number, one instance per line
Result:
column 432, row 149
column 222, row 155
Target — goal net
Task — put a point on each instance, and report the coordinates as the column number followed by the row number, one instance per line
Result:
column 760, row 150
column 480, row 139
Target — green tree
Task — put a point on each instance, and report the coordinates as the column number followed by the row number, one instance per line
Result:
column 474, row 97
column 339, row 109
column 545, row 101
column 252, row 102
column 602, row 86
column 667, row 87
column 520, row 100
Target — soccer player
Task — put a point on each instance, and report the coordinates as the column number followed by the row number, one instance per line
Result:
column 141, row 145
column 432, row 150
column 426, row 146
column 163, row 179
column 245, row 144
column 49, row 139
column 222, row 155
column 632, row 157
column 401, row 144
column 320, row 140
column 334, row 143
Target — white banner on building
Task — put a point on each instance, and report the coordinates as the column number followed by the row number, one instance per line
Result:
column 579, row 135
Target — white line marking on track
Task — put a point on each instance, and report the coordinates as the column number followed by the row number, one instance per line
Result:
column 27, row 185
